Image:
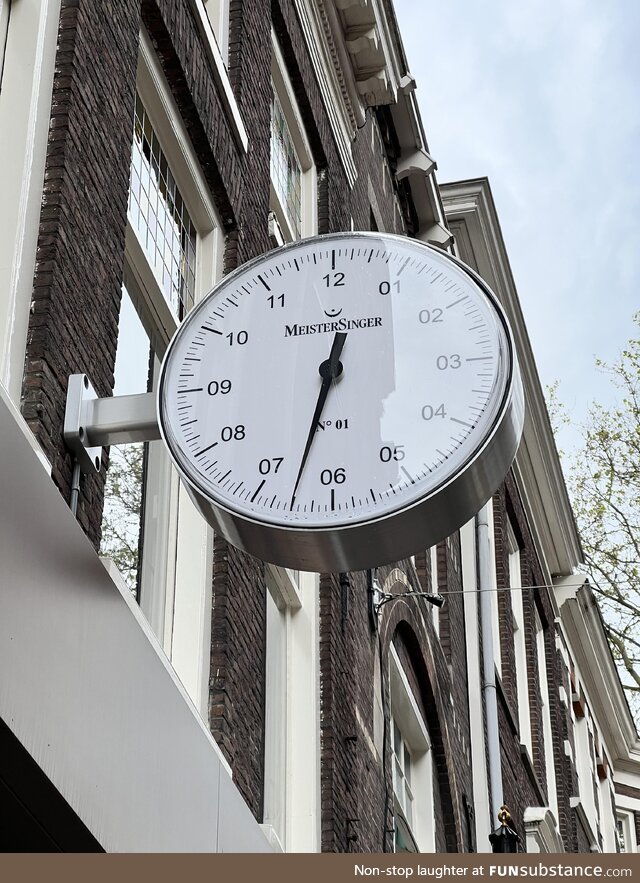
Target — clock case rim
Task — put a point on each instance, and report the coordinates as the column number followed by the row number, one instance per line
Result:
column 389, row 537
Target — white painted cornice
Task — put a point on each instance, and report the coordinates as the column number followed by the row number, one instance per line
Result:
column 541, row 830
column 578, row 808
column 596, row 672
column 359, row 63
column 472, row 217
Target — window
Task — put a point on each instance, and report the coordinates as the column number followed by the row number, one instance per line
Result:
column 293, row 177
column 546, row 715
column 402, row 773
column 158, row 215
column 493, row 594
column 122, row 520
column 163, row 546
column 622, row 834
column 519, row 643
column 286, row 173
column 218, row 14
column 412, row 759
column 625, row 832
column 292, row 738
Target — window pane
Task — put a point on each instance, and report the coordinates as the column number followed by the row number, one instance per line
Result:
column 286, row 173
column 123, row 502
column 159, row 217
column 404, row 842
column 407, row 764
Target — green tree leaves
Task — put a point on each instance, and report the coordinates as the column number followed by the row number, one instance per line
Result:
column 603, row 477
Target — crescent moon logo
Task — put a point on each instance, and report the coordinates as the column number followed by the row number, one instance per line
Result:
column 332, row 315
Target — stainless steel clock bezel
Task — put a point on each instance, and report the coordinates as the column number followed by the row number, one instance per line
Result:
column 391, row 536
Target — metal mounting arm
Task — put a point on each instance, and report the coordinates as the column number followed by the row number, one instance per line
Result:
column 91, row 423
column 385, row 597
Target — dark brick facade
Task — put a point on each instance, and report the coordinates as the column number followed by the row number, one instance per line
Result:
column 79, row 263
column 525, row 783
column 357, row 792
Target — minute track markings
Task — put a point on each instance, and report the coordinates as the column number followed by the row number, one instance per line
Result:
column 204, row 450
column 407, row 474
column 455, row 302
column 340, row 507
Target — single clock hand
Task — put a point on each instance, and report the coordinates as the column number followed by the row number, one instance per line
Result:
column 329, row 370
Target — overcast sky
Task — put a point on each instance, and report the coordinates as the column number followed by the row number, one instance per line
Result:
column 543, row 97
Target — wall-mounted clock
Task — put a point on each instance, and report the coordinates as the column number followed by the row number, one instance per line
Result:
column 342, row 402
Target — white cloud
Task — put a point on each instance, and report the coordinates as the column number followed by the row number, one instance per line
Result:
column 543, row 99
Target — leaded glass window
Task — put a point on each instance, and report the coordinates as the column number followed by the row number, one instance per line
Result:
column 286, row 173
column 159, row 217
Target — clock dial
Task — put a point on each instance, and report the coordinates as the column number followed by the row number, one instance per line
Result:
column 334, row 382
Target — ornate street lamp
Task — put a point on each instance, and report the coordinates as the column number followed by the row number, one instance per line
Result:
column 504, row 838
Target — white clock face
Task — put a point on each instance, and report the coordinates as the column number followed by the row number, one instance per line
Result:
column 334, row 381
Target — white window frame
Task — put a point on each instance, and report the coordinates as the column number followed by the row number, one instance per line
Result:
column 284, row 232
column 291, row 816
column 28, row 45
column 493, row 594
column 164, row 115
column 543, row 683
column 625, row 820
column 519, row 643
column 402, row 768
column 588, row 782
column 218, row 15
column 175, row 592
column 406, row 713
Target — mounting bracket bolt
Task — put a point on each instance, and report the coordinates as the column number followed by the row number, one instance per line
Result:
column 80, row 397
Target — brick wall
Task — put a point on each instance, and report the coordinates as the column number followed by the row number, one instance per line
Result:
column 525, row 785
column 79, row 262
column 356, row 781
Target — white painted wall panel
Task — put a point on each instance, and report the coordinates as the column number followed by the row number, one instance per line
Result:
column 87, row 690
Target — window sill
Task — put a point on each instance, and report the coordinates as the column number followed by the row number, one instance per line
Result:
column 288, row 593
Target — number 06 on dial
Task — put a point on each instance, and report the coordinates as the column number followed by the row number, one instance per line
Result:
column 342, row 402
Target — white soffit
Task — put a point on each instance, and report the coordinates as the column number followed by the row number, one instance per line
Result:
column 596, row 671
column 471, row 214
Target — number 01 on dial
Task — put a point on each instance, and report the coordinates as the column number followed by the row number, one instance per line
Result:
column 342, row 402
